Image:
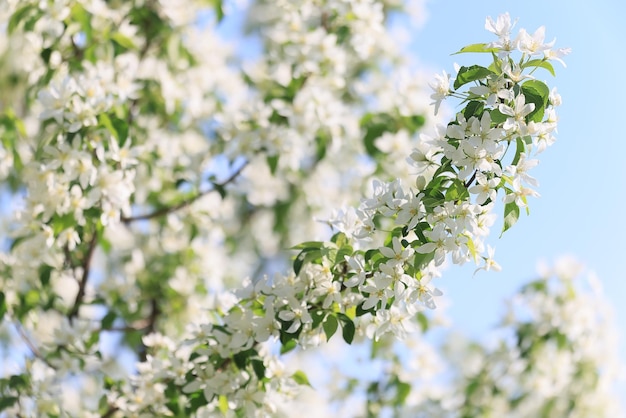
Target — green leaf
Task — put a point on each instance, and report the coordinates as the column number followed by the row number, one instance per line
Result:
column 434, row 199
column 375, row 125
column 218, row 9
column 3, row 305
column 307, row 255
column 474, row 108
column 301, row 378
column 94, row 338
column 107, row 321
column 402, row 392
column 259, row 368
column 413, row 123
column 18, row 16
column 348, row 331
column 541, row 63
column 105, row 120
column 561, row 340
column 7, row 402
column 173, row 404
column 62, row 222
column 422, row 319
column 538, row 93
column 340, row 239
column 272, row 162
column 116, row 126
column 469, row 74
column 396, row 232
column 519, row 149
column 308, row 244
column 476, row 48
column 457, row 191
column 511, row 215
column 369, row 254
column 330, row 326
column 31, row 298
column 11, row 121
column 496, row 65
column 122, row 40
column 498, row 117
column 222, row 404
column 535, row 286
column 539, row 87
column 472, row 248
column 419, row 231
column 421, row 260
column 242, row 358
column 104, row 243
column 322, row 140
column 346, row 250
column 288, row 346
column 45, row 272
column 317, row 315
column 471, row 388
column 360, row 311
column 18, row 381
column 548, row 408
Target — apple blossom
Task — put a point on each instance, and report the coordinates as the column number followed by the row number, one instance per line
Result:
column 162, row 176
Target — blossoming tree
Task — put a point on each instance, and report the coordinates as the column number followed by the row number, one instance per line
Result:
column 180, row 220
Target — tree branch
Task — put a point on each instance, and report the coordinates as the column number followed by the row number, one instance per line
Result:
column 31, row 346
column 170, row 209
column 85, row 277
column 155, row 311
column 471, row 180
column 109, row 413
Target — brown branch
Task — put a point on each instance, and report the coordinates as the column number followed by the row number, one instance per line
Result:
column 155, row 311
column 109, row 413
column 136, row 326
column 324, row 21
column 170, row 209
column 68, row 257
column 154, row 314
column 31, row 345
column 471, row 180
column 85, row 277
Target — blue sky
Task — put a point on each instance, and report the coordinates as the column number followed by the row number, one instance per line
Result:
column 582, row 176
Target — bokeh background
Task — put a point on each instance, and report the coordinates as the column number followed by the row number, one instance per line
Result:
column 582, row 209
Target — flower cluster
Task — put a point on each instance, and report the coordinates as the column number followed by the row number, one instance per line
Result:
column 554, row 352
column 377, row 290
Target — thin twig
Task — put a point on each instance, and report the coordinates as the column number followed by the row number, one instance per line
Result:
column 186, row 203
column 109, row 413
column 82, row 285
column 31, row 345
column 137, row 326
column 324, row 22
column 471, row 180
column 155, row 311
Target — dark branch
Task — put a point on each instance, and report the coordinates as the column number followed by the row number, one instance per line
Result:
column 155, row 311
column 134, row 327
column 109, row 413
column 471, row 180
column 85, row 277
column 186, row 203
column 31, row 345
